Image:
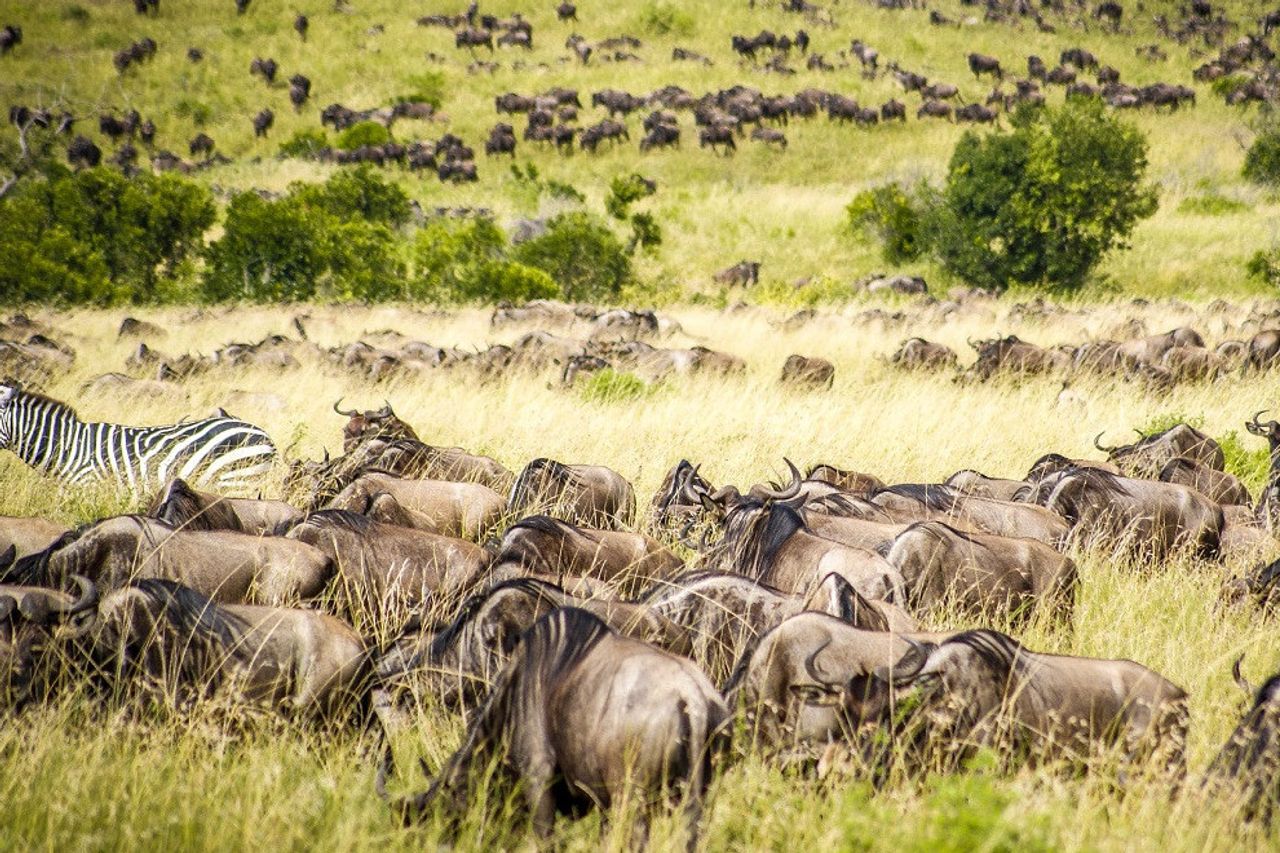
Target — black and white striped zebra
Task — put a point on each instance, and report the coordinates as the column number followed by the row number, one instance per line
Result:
column 49, row 436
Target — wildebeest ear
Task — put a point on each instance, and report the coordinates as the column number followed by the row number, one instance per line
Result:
column 812, row 694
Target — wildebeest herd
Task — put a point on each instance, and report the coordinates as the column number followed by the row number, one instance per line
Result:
column 811, row 620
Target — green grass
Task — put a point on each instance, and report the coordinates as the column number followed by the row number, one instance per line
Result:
column 782, row 208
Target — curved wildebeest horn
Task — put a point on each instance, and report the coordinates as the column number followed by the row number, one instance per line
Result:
column 88, row 598
column 791, row 489
column 1098, row 438
column 385, row 411
column 686, row 491
column 898, row 674
column 346, row 414
column 1239, row 677
column 1256, row 418
column 815, row 672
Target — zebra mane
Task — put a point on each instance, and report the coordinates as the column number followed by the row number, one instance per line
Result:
column 44, row 398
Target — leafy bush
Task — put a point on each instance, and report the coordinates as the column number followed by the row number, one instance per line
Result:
column 625, row 190
column 358, row 193
column 889, row 214
column 466, row 261
column 612, row 386
column 1211, row 205
column 1262, row 160
column 663, row 18
column 304, row 144
column 362, row 134
column 1043, row 203
column 581, row 255
column 427, row 87
column 101, row 236
column 1264, row 267
column 1250, row 462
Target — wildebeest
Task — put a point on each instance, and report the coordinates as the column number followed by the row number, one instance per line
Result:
column 1013, row 355
column 981, row 64
column 464, row 510
column 386, row 567
column 502, row 140
column 301, row 24
column 743, row 273
column 83, row 153
column 808, row 372
column 583, row 494
column 201, row 144
column 911, row 502
column 549, row 547
column 10, row 37
column 1218, row 486
column 983, row 688
column 976, row 113
column 919, row 354
column 655, row 721
column 473, row 37
column 33, row 620
column 851, row 481
column 770, row 136
column 1126, row 514
column 1248, row 765
column 192, row 648
column 185, row 508
column 227, row 566
column 934, row 109
column 717, row 135
column 1148, row 456
column 1264, row 350
column 982, row 574
column 262, row 122
column 266, row 68
column 970, row 482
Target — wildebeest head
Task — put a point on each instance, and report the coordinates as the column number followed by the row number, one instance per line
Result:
column 1269, row 430
column 1249, row 758
column 1145, row 457
column 31, row 618
column 373, row 423
column 680, row 496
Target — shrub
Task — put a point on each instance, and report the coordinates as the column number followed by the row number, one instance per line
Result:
column 269, row 251
column 612, row 386
column 1043, row 203
column 1251, row 464
column 358, row 193
column 305, row 144
column 364, row 262
column 888, row 213
column 466, row 261
column 581, row 255
column 662, row 18
column 427, row 87
column 1262, row 160
column 43, row 262
column 1264, row 267
column 362, row 134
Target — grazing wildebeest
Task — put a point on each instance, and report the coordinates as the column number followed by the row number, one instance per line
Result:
column 473, row 37
column 83, row 153
column 228, row 566
column 266, row 68
column 717, row 134
column 976, row 114
column 1218, row 486
column 546, row 546
column 984, row 689
column 582, row 494
column 10, row 37
column 1148, row 456
column 33, row 621
column 386, row 567
column 502, row 140
column 457, row 661
column 980, row 64
column 567, row 11
column 919, row 354
column 808, row 372
column 655, row 721
column 893, row 109
column 1248, row 765
column 934, row 109
column 262, row 122
column 464, row 510
column 301, row 24
column 770, row 136
column 742, row 273
column 970, row 482
column 982, row 574
column 293, row 660
column 1264, row 350
column 1140, row 516
column 911, row 502
column 679, row 498
column 201, row 144
column 184, row 508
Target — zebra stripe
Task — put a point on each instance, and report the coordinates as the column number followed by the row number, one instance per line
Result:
column 50, row 437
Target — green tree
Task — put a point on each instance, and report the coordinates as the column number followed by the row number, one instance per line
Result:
column 891, row 215
column 363, row 133
column 581, row 255
column 359, row 193
column 1262, row 160
column 1043, row 203
column 269, row 251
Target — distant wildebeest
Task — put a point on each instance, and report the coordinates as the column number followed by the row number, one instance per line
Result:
column 919, row 354
column 770, row 136
column 976, row 114
column 1267, row 509
column 184, row 508
column 934, row 109
column 266, row 68
column 808, row 372
column 983, row 688
column 228, row 566
column 743, row 273
column 190, row 647
column 717, row 135
column 980, row 64
column 262, row 122
column 502, row 140
column 584, row 494
column 10, row 37
column 1148, row 456
column 82, row 153
column 567, row 11
column 1264, row 350
column 464, row 510
column 473, row 37
column 852, row 481
column 1218, row 486
column 201, row 145
column 970, row 482
column 893, row 109
column 656, row 720
column 301, row 24
column 982, row 574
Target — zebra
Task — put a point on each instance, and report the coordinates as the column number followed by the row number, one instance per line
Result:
column 48, row 435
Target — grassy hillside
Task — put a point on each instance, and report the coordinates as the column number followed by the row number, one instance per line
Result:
column 69, row 779
column 784, row 208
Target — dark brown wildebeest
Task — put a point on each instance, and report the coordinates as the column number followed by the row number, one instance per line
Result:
column 970, row 482
column 227, row 566
column 1264, row 350
column 1140, row 516
column 301, row 24
column 32, row 625
column 1260, row 586
column 1015, row 356
column 655, row 721
column 679, row 496
column 976, row 114
column 502, row 140
column 82, row 153
column 724, row 614
column 1268, row 506
column 934, row 109
column 804, row 371
column 567, row 11
column 546, row 546
column 473, row 37
column 464, row 510
column 385, row 567
column 742, row 273
column 262, row 122
column 980, row 64
column 201, row 144
column 1218, row 486
column 581, row 494
column 10, row 37
column 982, row 574
column 893, row 109
column 1194, row 364
column 175, row 639
column 1146, row 457
column 919, row 354
column 1247, row 768
column 717, row 134
column 266, row 68
column 184, row 508
column 28, row 535
column 770, row 136
column 768, row 541
column 850, row 481
column 910, row 502
column 983, row 689
column 458, row 660
column 792, row 683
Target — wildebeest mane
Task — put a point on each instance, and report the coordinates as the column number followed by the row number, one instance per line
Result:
column 181, row 506
column 999, row 651
column 536, row 475
column 447, row 633
column 780, row 523
column 340, row 519
column 33, row 569
column 194, row 616
column 1098, row 478
column 934, row 496
column 843, row 505
column 545, row 524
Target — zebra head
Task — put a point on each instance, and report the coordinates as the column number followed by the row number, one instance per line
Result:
column 8, row 396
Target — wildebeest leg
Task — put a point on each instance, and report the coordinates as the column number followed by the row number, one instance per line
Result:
column 537, row 793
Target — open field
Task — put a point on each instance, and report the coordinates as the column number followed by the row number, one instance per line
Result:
column 76, row 778
column 784, row 208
